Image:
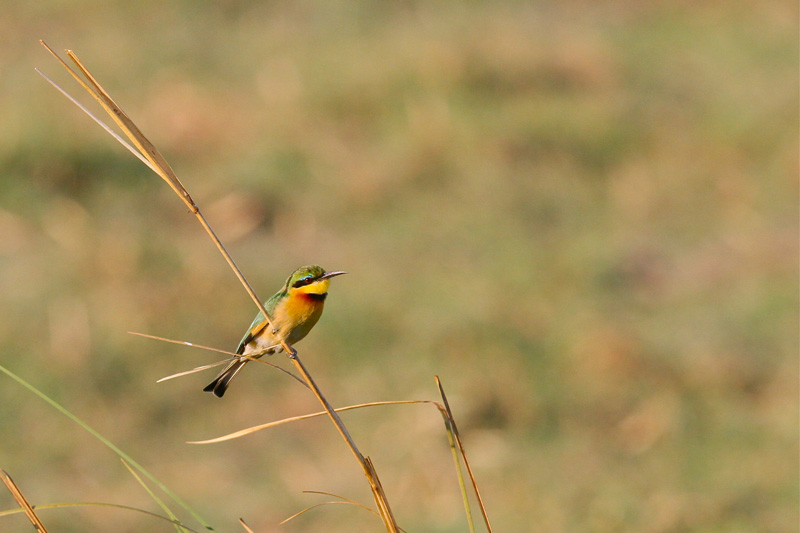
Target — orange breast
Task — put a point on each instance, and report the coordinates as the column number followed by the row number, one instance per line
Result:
column 301, row 311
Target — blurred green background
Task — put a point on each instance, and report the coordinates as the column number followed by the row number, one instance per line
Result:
column 583, row 216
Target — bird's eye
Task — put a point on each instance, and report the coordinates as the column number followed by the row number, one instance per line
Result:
column 304, row 281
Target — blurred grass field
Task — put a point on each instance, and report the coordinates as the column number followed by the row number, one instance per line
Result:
column 582, row 216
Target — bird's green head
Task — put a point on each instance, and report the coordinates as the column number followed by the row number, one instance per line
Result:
column 310, row 279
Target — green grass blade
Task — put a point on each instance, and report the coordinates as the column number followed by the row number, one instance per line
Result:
column 155, row 497
column 10, row 512
column 452, row 432
column 459, row 472
column 109, row 444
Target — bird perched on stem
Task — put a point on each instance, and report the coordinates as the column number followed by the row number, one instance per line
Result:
column 294, row 310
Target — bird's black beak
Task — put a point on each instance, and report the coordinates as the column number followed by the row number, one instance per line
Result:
column 327, row 275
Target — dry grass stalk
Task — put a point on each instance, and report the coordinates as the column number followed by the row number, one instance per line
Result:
column 245, row 526
column 341, row 501
column 17, row 494
column 212, row 365
column 159, row 164
column 453, row 436
column 253, row 429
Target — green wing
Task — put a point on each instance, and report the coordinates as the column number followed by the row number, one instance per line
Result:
column 259, row 322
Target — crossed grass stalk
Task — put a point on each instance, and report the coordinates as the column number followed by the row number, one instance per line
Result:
column 143, row 149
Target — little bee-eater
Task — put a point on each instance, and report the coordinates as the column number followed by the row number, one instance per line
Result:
column 294, row 310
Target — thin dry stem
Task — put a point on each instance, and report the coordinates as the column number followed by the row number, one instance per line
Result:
column 212, row 365
column 17, row 494
column 245, row 526
column 254, row 429
column 157, row 162
column 365, row 462
column 164, row 170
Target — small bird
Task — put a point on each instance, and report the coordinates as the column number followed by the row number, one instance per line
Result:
column 294, row 310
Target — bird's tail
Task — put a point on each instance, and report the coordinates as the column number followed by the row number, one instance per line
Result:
column 220, row 383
